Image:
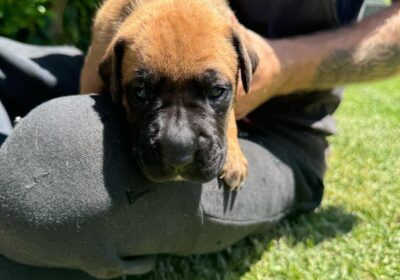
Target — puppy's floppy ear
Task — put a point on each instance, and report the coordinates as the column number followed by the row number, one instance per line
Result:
column 248, row 58
column 110, row 70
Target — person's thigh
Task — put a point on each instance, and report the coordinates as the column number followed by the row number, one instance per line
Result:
column 71, row 195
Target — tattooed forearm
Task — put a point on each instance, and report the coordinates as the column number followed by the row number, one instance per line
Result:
column 364, row 52
column 345, row 67
column 359, row 52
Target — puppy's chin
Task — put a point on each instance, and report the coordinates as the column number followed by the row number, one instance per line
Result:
column 195, row 172
column 179, row 178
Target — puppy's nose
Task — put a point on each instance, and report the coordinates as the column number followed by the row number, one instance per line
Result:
column 178, row 149
column 178, row 160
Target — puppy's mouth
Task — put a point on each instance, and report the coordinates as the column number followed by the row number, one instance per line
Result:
column 179, row 178
column 200, row 171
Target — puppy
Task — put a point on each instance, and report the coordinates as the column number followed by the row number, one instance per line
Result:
column 174, row 65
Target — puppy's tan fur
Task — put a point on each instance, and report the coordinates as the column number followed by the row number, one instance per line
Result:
column 165, row 35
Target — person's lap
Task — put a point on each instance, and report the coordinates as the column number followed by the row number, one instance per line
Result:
column 71, row 196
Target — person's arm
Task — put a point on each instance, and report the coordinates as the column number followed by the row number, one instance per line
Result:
column 365, row 51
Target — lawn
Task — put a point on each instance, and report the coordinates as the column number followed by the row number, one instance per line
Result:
column 355, row 234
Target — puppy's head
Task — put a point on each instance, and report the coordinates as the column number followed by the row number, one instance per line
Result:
column 175, row 69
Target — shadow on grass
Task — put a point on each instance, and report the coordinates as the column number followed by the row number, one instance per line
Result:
column 324, row 223
column 233, row 262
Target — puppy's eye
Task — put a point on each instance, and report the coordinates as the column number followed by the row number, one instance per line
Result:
column 217, row 92
column 140, row 93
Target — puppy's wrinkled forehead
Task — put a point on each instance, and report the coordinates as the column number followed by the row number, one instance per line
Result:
column 179, row 41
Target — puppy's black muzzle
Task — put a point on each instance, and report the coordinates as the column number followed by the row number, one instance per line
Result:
column 181, row 144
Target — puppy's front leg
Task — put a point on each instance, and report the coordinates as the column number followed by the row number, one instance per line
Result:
column 234, row 171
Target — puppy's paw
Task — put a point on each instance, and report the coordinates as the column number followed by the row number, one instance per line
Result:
column 234, row 171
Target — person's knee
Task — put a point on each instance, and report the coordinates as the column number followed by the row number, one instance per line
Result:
column 72, row 196
column 54, row 204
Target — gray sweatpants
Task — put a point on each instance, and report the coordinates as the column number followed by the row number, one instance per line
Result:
column 71, row 195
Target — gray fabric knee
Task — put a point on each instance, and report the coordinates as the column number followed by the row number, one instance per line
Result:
column 71, row 196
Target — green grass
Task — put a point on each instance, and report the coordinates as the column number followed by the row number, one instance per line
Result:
column 355, row 234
